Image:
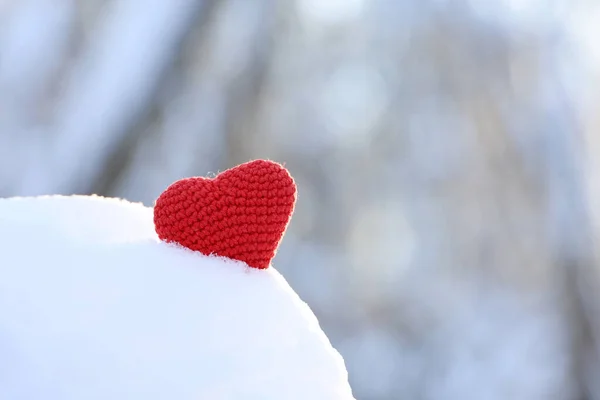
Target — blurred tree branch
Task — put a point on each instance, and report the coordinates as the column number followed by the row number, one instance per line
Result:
column 110, row 85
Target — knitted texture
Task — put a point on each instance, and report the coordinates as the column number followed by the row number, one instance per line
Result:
column 241, row 214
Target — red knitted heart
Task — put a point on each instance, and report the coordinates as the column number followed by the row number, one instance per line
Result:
column 241, row 214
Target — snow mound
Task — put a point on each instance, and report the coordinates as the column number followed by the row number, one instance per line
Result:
column 94, row 306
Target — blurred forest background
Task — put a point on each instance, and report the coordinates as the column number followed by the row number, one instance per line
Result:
column 446, row 231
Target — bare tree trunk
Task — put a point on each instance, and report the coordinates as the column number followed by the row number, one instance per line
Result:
column 110, row 85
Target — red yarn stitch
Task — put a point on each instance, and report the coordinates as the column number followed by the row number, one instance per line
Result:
column 241, row 214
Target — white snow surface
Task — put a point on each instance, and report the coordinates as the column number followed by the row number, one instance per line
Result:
column 94, row 306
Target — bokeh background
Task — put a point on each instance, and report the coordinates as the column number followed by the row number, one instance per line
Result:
column 445, row 153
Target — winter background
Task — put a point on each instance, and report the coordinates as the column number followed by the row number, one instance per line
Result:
column 445, row 152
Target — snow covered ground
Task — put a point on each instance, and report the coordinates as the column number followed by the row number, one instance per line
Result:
column 94, row 306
